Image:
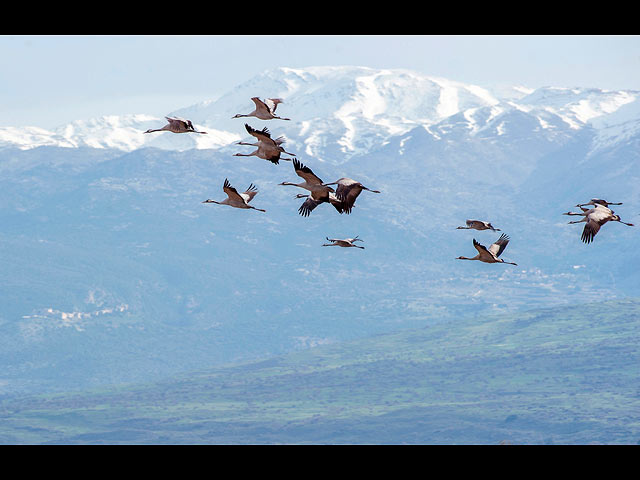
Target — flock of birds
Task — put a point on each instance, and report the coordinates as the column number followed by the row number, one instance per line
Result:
column 596, row 217
column 343, row 197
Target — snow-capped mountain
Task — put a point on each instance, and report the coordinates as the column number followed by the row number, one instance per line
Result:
column 110, row 260
column 339, row 112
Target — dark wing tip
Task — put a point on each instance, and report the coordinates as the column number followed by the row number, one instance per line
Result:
column 274, row 158
column 587, row 234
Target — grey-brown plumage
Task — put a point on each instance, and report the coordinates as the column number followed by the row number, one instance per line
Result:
column 235, row 199
column 268, row 148
column 343, row 242
column 320, row 193
column 316, row 198
column 311, row 182
column 491, row 254
column 176, row 125
column 348, row 191
column 265, row 109
column 597, row 201
column 479, row 225
column 595, row 218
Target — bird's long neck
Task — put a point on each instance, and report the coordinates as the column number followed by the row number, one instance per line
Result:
column 464, row 228
column 154, row 130
column 477, row 257
column 628, row 224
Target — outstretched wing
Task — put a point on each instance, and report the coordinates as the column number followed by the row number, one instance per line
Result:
column 347, row 192
column 307, row 207
column 473, row 223
column 305, row 173
column 177, row 121
column 262, row 135
column 482, row 250
column 596, row 217
column 590, row 230
column 260, row 105
column 272, row 103
column 498, row 247
column 231, row 192
column 251, row 192
column 337, row 204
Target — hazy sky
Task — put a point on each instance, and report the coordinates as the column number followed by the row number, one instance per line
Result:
column 47, row 81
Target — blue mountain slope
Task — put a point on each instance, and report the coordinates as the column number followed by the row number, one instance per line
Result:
column 113, row 270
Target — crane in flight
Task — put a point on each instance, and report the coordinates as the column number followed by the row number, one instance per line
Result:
column 491, row 254
column 235, row 199
column 176, row 125
column 264, row 110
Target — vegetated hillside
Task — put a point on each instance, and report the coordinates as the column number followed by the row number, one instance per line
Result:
column 564, row 375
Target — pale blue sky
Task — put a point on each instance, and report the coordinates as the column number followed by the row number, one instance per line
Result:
column 48, row 81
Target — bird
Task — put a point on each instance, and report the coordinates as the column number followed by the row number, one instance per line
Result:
column 491, row 254
column 345, row 242
column 313, row 183
column 176, row 125
column 235, row 199
column 313, row 201
column 595, row 218
column 265, row 110
column 479, row 225
column 268, row 148
column 348, row 190
column 597, row 201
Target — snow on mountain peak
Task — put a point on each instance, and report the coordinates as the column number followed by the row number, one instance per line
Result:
column 121, row 132
column 340, row 111
column 343, row 110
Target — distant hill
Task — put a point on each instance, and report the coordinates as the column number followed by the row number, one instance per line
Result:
column 564, row 375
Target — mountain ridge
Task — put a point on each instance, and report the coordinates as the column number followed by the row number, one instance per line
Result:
column 344, row 111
